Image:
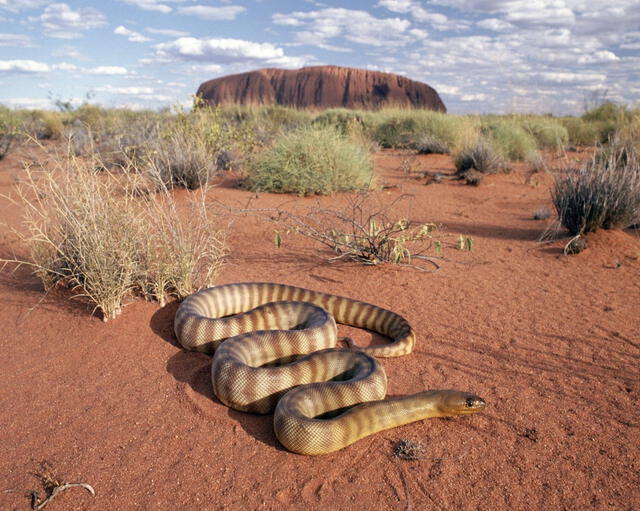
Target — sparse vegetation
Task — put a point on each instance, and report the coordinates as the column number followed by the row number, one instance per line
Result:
column 480, row 157
column 364, row 232
column 312, row 160
column 9, row 131
column 605, row 193
column 99, row 235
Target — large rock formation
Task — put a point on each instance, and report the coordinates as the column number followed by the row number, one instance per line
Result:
column 320, row 87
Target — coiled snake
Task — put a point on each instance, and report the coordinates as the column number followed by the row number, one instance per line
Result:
column 274, row 348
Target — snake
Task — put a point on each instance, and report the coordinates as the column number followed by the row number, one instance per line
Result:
column 275, row 351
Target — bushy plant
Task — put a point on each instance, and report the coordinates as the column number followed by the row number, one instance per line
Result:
column 9, row 131
column 312, row 160
column 406, row 129
column 548, row 132
column 94, row 233
column 605, row 193
column 481, row 157
column 509, row 138
column 340, row 118
column 581, row 132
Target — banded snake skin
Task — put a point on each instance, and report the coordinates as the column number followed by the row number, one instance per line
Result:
column 274, row 348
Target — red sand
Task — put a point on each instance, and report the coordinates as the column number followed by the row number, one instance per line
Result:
column 552, row 342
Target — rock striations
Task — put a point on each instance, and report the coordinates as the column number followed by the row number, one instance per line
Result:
column 321, row 87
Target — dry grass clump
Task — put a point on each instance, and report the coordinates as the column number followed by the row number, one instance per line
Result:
column 480, row 157
column 312, row 160
column 98, row 235
column 605, row 193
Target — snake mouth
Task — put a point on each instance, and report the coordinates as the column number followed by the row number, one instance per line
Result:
column 474, row 404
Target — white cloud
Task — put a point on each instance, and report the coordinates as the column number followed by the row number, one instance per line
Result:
column 17, row 5
column 65, row 66
column 126, row 91
column 413, row 7
column 598, row 57
column 558, row 77
column 131, row 36
column 228, row 12
column 60, row 21
column 107, row 70
column 353, row 25
column 212, row 69
column 167, row 32
column 15, row 40
column 495, row 24
column 23, row 66
column 150, row 5
column 68, row 51
column 225, row 51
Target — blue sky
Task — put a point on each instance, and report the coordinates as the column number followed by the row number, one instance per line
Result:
column 500, row 56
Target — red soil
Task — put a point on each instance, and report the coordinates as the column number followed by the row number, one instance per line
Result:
column 552, row 342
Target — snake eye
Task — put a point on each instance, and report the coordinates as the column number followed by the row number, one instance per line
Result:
column 470, row 402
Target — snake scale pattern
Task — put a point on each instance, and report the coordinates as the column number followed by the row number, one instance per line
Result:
column 274, row 348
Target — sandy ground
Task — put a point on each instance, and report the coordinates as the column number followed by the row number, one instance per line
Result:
column 552, row 342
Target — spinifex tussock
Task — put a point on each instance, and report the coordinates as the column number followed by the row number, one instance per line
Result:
column 95, row 232
column 605, row 193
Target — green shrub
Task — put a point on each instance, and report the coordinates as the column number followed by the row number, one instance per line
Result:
column 313, row 160
column 581, row 132
column 602, row 194
column 406, row 129
column 509, row 138
column 340, row 118
column 9, row 130
column 548, row 132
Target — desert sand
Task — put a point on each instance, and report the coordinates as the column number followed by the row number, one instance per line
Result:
column 551, row 342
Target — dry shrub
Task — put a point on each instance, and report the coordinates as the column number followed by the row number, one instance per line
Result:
column 605, row 193
column 367, row 231
column 96, row 233
column 482, row 157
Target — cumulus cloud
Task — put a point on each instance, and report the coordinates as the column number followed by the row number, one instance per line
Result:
column 59, row 20
column 495, row 24
column 107, row 70
column 598, row 57
column 356, row 26
column 17, row 5
column 150, row 5
column 131, row 36
column 15, row 40
column 125, row 91
column 225, row 51
column 437, row 20
column 65, row 66
column 168, row 32
column 23, row 66
column 227, row 12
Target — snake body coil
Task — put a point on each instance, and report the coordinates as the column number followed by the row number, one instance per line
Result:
column 274, row 348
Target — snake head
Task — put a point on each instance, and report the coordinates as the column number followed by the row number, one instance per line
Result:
column 455, row 402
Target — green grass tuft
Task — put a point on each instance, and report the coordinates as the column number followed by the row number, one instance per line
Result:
column 313, row 160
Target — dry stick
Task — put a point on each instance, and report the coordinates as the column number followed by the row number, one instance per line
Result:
column 56, row 491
